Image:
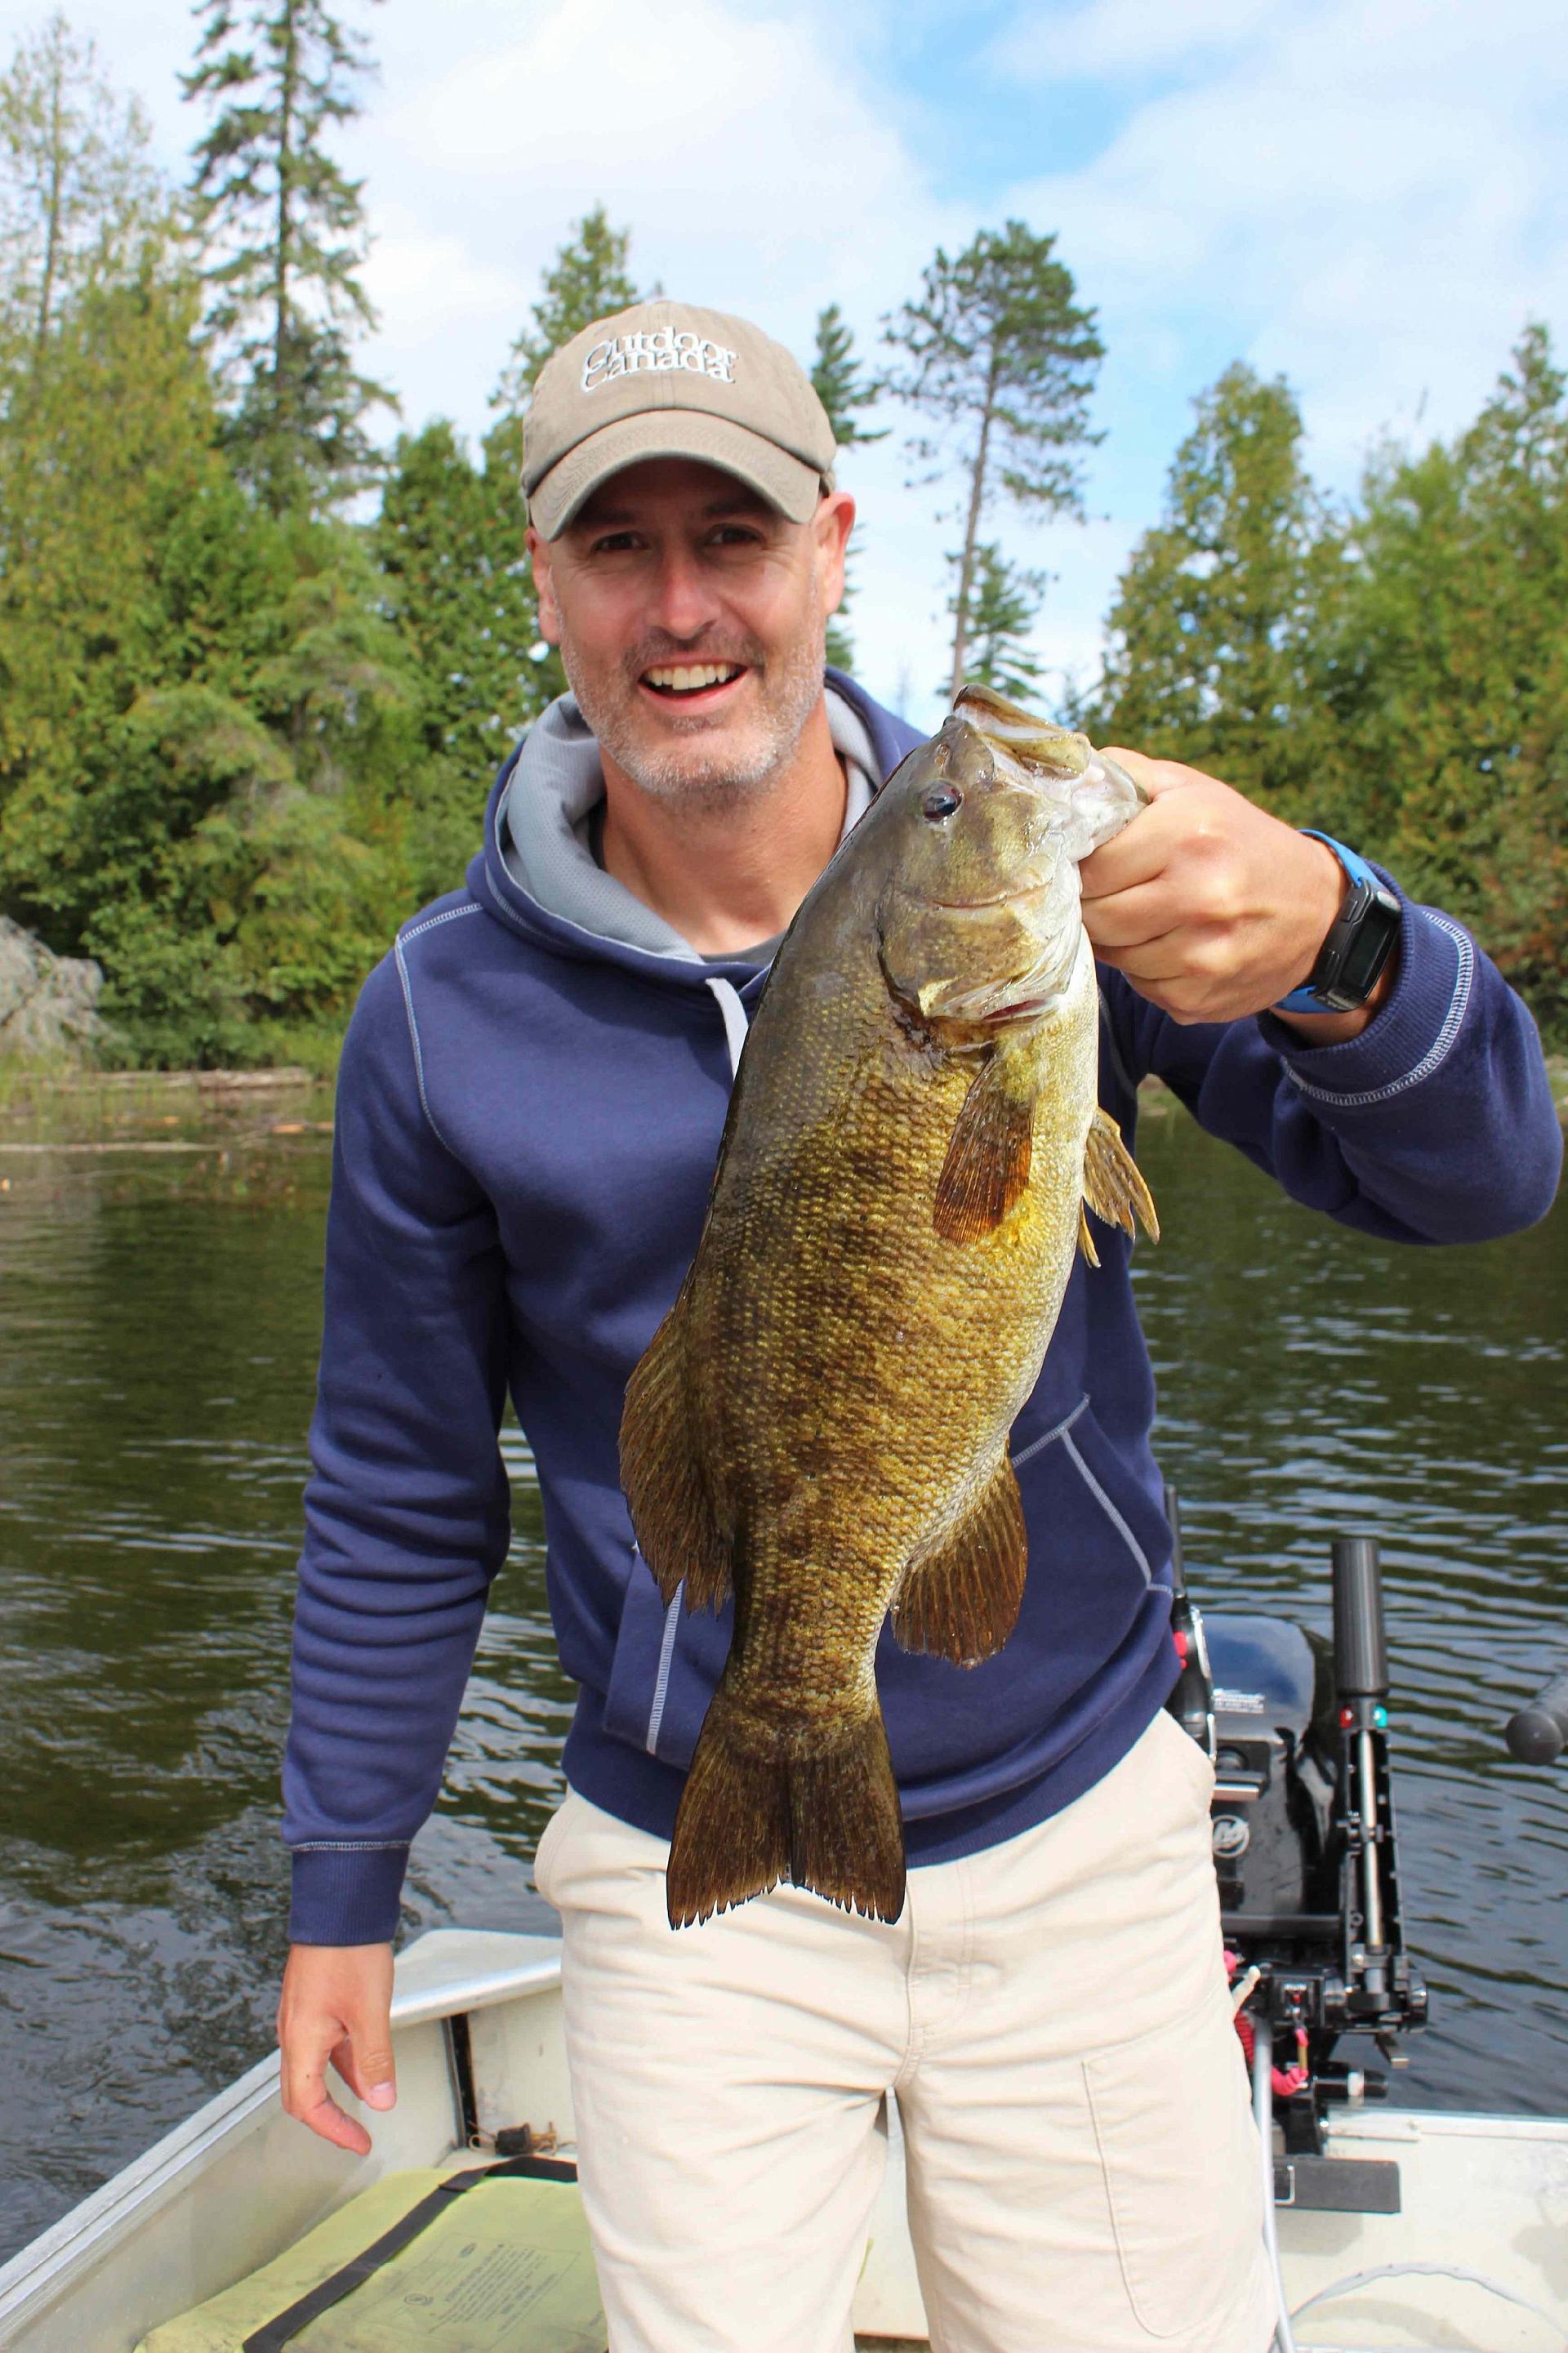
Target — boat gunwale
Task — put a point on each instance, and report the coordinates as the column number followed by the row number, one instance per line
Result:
column 107, row 2216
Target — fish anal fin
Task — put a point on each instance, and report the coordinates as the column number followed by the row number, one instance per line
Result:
column 662, row 1478
column 1112, row 1185
column 962, row 1601
column 760, row 1806
column 986, row 1167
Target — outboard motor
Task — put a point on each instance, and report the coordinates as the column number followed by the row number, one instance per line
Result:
column 1305, row 1856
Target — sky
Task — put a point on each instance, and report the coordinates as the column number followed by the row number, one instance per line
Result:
column 1368, row 197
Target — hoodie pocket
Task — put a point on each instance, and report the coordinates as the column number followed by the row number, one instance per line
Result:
column 666, row 1664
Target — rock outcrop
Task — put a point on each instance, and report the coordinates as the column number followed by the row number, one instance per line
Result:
column 49, row 1004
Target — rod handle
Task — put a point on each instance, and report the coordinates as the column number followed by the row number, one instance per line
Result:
column 1360, row 1640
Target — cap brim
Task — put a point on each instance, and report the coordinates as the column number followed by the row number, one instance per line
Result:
column 786, row 482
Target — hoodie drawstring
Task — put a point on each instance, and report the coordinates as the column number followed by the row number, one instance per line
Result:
column 735, row 1023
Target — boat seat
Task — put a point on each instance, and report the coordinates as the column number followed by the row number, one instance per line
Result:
column 461, row 2259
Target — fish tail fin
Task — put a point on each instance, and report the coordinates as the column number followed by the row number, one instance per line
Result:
column 755, row 1810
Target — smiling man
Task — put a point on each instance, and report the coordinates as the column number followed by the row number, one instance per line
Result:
column 531, row 1098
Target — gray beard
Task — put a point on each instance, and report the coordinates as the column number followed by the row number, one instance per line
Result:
column 790, row 693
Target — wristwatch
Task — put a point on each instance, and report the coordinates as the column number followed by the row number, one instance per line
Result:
column 1360, row 942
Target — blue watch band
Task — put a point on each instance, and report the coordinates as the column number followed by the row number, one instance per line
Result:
column 1305, row 999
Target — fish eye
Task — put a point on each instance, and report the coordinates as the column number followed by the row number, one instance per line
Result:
column 941, row 802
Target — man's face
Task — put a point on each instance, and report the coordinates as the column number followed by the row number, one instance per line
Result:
column 690, row 616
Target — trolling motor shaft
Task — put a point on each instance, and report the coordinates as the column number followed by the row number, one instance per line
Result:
column 1361, row 1675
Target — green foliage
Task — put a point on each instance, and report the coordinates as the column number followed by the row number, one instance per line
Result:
column 284, row 227
column 1212, row 637
column 1396, row 674
column 75, row 180
column 588, row 280
column 1003, row 605
column 1446, row 664
column 1001, row 358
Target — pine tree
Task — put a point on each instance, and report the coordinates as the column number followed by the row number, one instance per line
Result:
column 1448, row 668
column 588, row 280
column 1208, row 657
column 76, row 183
column 844, row 389
column 286, row 228
column 1004, row 605
column 1001, row 356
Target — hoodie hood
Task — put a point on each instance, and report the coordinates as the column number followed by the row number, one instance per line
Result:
column 537, row 872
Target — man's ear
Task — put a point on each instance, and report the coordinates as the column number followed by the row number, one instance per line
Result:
column 545, row 587
column 831, row 526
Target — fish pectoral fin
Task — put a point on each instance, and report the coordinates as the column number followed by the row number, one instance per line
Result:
column 1112, row 1185
column 662, row 1478
column 962, row 1601
column 988, row 1154
column 1085, row 1239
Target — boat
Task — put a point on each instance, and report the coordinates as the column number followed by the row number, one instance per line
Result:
column 1393, row 2227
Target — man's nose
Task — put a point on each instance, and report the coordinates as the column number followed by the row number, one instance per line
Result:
column 683, row 598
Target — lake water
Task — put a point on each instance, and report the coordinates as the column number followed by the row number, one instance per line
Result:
column 158, row 1326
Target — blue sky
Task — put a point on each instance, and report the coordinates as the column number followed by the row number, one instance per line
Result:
column 1368, row 195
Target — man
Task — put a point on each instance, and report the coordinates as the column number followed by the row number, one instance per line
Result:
column 531, row 1102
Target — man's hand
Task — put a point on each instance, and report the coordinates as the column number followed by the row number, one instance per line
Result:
column 1212, row 908
column 336, row 2005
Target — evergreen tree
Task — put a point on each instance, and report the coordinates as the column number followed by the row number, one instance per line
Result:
column 587, row 280
column 286, row 228
column 456, row 585
column 844, row 390
column 1004, row 605
column 1001, row 358
column 76, row 183
column 1208, row 659
column 1447, row 663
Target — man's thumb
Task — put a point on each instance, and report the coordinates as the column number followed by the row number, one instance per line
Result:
column 374, row 2063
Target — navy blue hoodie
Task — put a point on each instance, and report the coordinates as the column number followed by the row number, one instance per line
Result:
column 528, row 1119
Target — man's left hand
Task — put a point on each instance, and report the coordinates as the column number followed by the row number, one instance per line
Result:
column 1212, row 908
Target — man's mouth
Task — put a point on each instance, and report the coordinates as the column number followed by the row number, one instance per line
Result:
column 690, row 682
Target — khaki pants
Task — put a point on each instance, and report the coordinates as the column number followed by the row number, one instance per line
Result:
column 1052, row 2014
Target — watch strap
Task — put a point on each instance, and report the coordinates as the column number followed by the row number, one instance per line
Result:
column 1307, row 997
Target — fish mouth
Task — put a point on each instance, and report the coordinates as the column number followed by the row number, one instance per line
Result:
column 1003, row 899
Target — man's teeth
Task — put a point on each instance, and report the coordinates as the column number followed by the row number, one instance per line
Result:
column 687, row 679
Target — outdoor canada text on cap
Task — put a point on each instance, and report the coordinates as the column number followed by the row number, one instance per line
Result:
column 669, row 380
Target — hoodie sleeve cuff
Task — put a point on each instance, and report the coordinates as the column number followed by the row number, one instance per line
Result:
column 346, row 1894
column 1412, row 1033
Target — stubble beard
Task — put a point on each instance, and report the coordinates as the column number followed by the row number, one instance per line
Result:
column 682, row 772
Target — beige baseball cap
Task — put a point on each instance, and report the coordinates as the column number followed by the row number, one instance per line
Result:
column 667, row 380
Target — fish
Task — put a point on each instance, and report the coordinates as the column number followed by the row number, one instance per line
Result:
column 819, row 1426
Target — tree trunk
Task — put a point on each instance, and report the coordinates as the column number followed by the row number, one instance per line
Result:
column 285, row 226
column 972, row 528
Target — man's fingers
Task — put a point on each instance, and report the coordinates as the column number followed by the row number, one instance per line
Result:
column 1126, row 919
column 336, row 2009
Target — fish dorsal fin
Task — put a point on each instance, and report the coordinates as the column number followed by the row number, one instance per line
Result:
column 662, row 1478
column 1111, row 1183
column 960, row 1602
column 988, row 1154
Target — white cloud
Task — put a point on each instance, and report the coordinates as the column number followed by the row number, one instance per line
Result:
column 1367, row 196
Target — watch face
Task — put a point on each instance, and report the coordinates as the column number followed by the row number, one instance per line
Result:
column 1372, row 931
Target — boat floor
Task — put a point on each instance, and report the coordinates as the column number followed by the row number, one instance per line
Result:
column 476, row 2027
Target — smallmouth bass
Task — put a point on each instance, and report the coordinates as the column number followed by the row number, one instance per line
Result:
column 820, row 1423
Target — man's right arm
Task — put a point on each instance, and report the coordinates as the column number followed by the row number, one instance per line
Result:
column 406, row 1522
